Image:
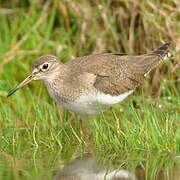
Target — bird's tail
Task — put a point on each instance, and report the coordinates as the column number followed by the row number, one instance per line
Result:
column 151, row 60
column 162, row 51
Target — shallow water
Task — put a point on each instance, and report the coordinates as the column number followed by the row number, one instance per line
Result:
column 46, row 165
column 87, row 168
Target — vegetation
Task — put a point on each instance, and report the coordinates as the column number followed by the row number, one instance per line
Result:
column 35, row 133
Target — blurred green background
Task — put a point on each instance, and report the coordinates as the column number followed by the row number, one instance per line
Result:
column 36, row 135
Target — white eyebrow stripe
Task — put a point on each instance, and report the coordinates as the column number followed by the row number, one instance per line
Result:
column 35, row 70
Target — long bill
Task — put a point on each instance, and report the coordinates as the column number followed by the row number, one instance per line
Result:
column 26, row 81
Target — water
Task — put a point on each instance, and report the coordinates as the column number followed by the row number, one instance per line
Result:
column 46, row 165
column 87, row 168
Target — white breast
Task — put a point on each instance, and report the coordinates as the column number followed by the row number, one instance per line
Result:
column 90, row 103
column 94, row 103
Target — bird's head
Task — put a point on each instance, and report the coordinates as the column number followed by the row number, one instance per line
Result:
column 45, row 68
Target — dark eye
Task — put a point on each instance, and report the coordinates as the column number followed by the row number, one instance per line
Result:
column 45, row 66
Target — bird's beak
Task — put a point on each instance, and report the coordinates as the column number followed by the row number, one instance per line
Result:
column 26, row 81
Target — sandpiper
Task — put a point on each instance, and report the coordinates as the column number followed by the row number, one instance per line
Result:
column 92, row 84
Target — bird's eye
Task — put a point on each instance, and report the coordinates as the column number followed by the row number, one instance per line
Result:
column 45, row 66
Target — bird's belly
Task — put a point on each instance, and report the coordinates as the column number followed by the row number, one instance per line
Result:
column 93, row 103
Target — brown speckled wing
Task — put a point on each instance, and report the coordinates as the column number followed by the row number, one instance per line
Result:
column 115, row 73
column 130, row 71
column 126, row 76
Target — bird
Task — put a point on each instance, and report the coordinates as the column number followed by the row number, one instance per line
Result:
column 94, row 83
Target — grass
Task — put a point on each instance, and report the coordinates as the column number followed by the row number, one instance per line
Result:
column 36, row 134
